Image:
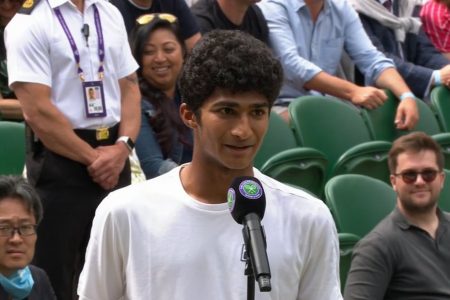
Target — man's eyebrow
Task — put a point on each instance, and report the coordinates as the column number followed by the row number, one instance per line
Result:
column 228, row 103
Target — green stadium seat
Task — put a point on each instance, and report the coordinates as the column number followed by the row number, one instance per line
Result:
column 380, row 123
column 280, row 158
column 12, row 148
column 444, row 199
column 440, row 103
column 347, row 242
column 337, row 129
column 358, row 203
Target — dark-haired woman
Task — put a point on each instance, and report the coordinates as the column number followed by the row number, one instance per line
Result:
column 164, row 141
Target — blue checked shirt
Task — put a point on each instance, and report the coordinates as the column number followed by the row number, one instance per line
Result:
column 306, row 48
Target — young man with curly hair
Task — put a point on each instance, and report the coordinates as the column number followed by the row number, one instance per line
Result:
column 172, row 237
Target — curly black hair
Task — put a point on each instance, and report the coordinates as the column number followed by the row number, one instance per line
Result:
column 231, row 60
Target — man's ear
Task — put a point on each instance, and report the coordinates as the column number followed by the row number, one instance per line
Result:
column 393, row 180
column 187, row 116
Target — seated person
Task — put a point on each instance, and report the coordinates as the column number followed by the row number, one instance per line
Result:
column 395, row 32
column 132, row 9
column 407, row 255
column 309, row 37
column 20, row 212
column 164, row 141
column 233, row 15
column 9, row 106
column 435, row 16
column 173, row 237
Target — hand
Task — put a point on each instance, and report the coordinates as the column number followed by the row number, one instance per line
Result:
column 105, row 170
column 445, row 75
column 368, row 97
column 407, row 114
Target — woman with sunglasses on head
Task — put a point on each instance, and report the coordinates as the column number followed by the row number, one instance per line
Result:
column 20, row 212
column 9, row 105
column 164, row 141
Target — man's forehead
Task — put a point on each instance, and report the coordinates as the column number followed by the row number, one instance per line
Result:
column 412, row 158
column 252, row 98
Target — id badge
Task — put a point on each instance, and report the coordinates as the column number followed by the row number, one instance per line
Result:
column 94, row 99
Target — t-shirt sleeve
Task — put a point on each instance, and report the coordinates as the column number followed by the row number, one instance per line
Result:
column 320, row 278
column 27, row 49
column 103, row 275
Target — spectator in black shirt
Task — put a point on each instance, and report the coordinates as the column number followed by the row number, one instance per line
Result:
column 231, row 14
column 132, row 9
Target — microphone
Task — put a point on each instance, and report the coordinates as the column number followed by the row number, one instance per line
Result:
column 85, row 32
column 247, row 203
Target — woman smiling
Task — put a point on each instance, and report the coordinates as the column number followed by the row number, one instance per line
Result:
column 164, row 141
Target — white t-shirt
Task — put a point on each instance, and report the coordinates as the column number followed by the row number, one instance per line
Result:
column 39, row 52
column 153, row 241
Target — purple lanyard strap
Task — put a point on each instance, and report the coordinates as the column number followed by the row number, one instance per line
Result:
column 73, row 45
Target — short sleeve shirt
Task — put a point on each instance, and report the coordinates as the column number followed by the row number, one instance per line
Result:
column 38, row 51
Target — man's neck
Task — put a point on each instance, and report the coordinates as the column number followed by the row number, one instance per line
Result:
column 427, row 221
column 208, row 184
column 79, row 4
column 315, row 7
column 234, row 10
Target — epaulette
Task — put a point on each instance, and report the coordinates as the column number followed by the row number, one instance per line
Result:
column 28, row 6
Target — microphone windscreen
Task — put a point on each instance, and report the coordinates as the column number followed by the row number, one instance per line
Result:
column 245, row 196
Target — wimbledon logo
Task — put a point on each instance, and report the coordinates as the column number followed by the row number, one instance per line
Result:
column 250, row 189
column 231, row 197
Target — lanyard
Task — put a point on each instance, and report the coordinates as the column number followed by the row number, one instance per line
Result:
column 73, row 45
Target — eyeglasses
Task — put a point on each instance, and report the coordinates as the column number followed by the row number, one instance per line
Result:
column 23, row 230
column 410, row 177
column 145, row 19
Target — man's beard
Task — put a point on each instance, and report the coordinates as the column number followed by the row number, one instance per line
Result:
column 410, row 206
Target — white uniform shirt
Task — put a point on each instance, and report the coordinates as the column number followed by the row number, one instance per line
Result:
column 38, row 51
column 153, row 241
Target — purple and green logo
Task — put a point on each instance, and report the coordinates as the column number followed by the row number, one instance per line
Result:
column 231, row 197
column 250, row 189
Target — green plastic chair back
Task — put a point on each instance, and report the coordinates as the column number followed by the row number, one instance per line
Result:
column 358, row 203
column 279, row 137
column 443, row 139
column 440, row 103
column 444, row 199
column 329, row 125
column 12, row 148
column 380, row 121
column 368, row 159
column 427, row 120
column 300, row 167
column 347, row 242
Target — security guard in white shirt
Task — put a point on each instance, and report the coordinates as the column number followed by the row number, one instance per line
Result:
column 60, row 53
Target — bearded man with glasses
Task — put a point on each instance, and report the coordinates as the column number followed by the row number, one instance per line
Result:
column 407, row 256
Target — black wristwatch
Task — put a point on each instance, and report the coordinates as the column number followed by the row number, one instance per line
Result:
column 127, row 141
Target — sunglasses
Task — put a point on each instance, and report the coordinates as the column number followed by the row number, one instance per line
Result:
column 410, row 177
column 145, row 19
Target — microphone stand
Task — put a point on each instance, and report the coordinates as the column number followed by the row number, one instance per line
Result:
column 248, row 266
column 263, row 280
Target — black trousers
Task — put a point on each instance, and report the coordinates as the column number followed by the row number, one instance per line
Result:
column 70, row 198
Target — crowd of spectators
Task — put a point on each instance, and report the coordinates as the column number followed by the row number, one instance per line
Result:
column 397, row 45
